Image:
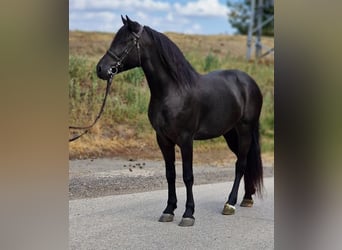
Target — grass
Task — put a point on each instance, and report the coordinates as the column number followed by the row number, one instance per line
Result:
column 124, row 127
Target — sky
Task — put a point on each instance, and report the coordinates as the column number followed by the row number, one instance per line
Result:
column 190, row 17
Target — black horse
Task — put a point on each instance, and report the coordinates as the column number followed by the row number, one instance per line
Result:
column 187, row 106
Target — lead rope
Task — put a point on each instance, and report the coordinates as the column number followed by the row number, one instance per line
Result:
column 109, row 81
column 87, row 128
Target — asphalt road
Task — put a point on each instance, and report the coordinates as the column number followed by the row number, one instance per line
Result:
column 130, row 221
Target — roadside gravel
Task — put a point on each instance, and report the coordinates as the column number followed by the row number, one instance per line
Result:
column 101, row 177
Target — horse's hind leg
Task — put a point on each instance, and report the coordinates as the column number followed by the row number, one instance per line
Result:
column 239, row 140
column 168, row 150
column 249, row 191
column 232, row 141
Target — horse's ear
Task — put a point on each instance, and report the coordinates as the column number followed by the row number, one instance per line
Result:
column 124, row 21
column 128, row 20
column 132, row 25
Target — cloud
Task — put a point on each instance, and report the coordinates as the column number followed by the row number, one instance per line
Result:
column 107, row 5
column 203, row 8
column 184, row 17
column 86, row 21
column 194, row 29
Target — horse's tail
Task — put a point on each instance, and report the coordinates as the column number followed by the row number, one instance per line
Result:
column 254, row 169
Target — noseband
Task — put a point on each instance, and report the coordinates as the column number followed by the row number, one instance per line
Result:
column 114, row 69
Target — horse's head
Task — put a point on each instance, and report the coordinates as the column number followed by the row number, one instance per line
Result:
column 124, row 52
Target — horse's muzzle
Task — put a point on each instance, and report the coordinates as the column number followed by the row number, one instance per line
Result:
column 103, row 73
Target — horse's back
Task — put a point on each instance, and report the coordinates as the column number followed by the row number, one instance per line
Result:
column 235, row 80
column 226, row 97
column 239, row 87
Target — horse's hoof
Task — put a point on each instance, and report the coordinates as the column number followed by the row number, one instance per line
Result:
column 246, row 203
column 187, row 222
column 166, row 218
column 228, row 209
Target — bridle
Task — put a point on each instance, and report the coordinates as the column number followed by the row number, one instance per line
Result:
column 119, row 60
column 114, row 69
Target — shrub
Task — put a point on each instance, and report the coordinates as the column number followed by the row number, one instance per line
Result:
column 211, row 62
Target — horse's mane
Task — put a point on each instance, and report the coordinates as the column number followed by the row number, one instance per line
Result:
column 173, row 59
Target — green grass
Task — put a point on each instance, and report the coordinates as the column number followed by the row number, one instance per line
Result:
column 129, row 97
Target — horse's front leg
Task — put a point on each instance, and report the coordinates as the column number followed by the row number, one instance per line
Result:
column 168, row 150
column 188, row 178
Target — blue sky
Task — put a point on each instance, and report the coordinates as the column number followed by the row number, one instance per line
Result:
column 190, row 17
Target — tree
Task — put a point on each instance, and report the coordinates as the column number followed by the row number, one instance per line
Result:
column 240, row 12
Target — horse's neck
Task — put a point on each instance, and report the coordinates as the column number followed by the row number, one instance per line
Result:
column 159, row 80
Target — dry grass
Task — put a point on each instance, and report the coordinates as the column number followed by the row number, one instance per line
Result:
column 95, row 44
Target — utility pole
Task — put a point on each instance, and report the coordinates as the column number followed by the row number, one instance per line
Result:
column 260, row 12
column 250, row 30
column 258, row 15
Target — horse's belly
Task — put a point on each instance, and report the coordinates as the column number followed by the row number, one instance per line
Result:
column 205, row 136
column 211, row 132
column 215, row 124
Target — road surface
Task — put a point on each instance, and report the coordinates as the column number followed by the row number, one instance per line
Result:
column 130, row 221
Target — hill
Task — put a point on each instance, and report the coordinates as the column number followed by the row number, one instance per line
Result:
column 95, row 44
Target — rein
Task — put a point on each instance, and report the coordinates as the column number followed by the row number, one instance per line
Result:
column 87, row 128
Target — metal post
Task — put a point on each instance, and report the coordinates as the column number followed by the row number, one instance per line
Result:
column 250, row 30
column 260, row 12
